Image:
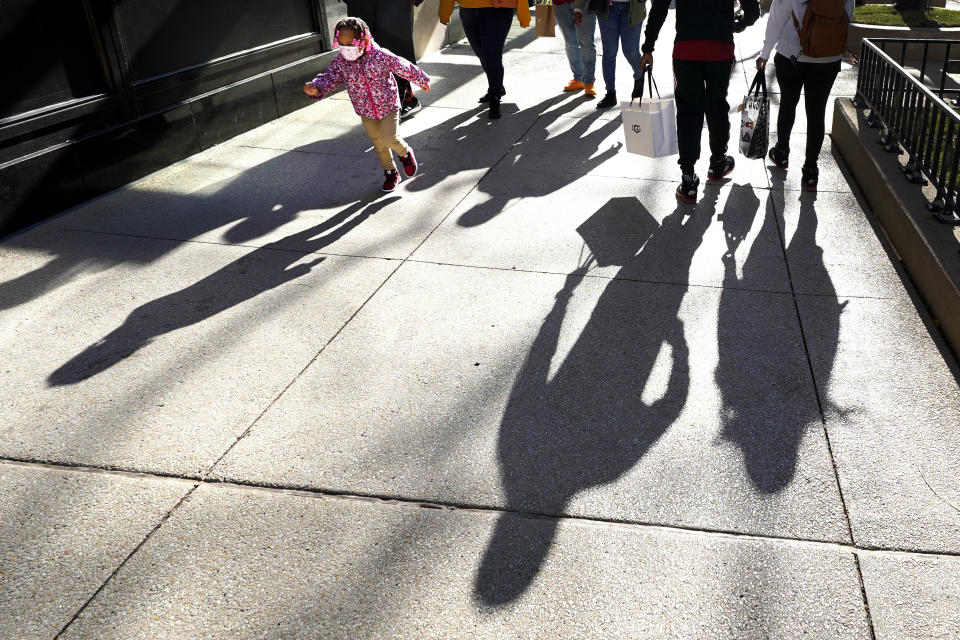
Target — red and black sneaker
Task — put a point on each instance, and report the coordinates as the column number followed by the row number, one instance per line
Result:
column 391, row 180
column 720, row 169
column 687, row 191
column 808, row 179
column 409, row 163
column 779, row 157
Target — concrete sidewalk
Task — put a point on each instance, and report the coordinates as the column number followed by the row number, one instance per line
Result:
column 525, row 396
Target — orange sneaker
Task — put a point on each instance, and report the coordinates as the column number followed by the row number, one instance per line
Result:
column 589, row 90
column 574, row 85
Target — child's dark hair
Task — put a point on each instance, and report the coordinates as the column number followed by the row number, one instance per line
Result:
column 357, row 25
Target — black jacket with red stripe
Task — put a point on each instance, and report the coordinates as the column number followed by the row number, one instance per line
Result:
column 702, row 20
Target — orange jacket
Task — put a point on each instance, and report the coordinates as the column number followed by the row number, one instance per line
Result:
column 523, row 9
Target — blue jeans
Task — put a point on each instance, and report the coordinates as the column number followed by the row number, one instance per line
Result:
column 614, row 31
column 581, row 50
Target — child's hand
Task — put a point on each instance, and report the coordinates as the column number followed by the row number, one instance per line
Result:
column 311, row 90
column 426, row 87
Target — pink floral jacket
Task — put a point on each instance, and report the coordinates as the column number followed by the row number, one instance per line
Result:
column 369, row 81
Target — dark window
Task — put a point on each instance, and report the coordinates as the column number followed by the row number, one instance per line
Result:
column 163, row 36
column 48, row 55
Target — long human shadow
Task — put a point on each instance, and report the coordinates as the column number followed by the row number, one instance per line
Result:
column 762, row 375
column 248, row 205
column 255, row 273
column 589, row 423
column 582, row 161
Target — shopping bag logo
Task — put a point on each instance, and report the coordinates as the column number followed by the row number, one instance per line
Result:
column 637, row 128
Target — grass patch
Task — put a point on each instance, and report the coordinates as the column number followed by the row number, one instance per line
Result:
column 886, row 16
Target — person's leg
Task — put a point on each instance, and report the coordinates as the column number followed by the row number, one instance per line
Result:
column 586, row 31
column 690, row 97
column 470, row 19
column 564, row 15
column 818, row 79
column 791, row 83
column 717, row 81
column 630, row 40
column 494, row 30
column 381, row 145
column 388, row 132
column 610, row 41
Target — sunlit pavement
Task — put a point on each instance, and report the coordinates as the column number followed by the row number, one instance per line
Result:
column 527, row 395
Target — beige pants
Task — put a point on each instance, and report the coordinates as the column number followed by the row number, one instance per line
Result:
column 383, row 133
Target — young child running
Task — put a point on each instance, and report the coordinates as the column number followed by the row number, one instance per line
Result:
column 367, row 71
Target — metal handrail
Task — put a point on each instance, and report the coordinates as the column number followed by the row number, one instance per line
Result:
column 906, row 108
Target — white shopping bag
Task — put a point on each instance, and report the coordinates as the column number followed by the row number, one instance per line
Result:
column 650, row 127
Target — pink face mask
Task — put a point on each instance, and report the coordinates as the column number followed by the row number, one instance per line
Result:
column 351, row 53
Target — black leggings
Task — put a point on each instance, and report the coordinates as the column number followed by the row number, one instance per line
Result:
column 815, row 79
column 486, row 30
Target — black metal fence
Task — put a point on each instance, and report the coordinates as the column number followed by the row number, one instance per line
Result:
column 914, row 116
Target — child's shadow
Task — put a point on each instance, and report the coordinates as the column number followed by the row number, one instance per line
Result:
column 253, row 274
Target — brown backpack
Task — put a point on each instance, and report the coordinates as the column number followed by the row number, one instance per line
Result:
column 823, row 32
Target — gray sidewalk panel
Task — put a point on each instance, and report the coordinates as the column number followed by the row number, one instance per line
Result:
column 62, row 534
column 248, row 564
column 444, row 140
column 556, row 222
column 893, row 410
column 832, row 248
column 916, row 597
column 607, row 399
column 299, row 201
column 153, row 355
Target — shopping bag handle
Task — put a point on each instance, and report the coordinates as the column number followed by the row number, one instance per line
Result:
column 759, row 83
column 651, row 85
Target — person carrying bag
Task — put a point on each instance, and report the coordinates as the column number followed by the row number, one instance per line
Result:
column 810, row 37
column 755, row 120
column 650, row 125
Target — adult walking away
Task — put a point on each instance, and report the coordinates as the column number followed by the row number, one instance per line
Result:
column 703, row 56
column 798, row 71
column 392, row 25
column 621, row 23
column 486, row 23
column 581, row 48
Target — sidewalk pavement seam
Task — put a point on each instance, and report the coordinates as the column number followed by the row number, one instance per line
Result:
column 863, row 594
column 631, row 278
column 125, row 561
column 412, row 503
column 781, row 234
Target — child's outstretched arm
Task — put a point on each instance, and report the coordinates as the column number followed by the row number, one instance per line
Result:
column 409, row 71
column 325, row 83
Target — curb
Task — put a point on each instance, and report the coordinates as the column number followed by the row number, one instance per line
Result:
column 924, row 245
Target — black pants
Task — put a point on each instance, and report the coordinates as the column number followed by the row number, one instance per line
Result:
column 816, row 80
column 701, row 91
column 391, row 23
column 486, row 31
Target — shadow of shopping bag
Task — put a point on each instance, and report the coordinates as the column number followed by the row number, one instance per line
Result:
column 650, row 127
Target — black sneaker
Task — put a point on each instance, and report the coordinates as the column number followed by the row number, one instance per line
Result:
column 808, row 181
column 779, row 157
column 486, row 97
column 687, row 191
column 719, row 170
column 494, row 112
column 608, row 101
column 409, row 107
